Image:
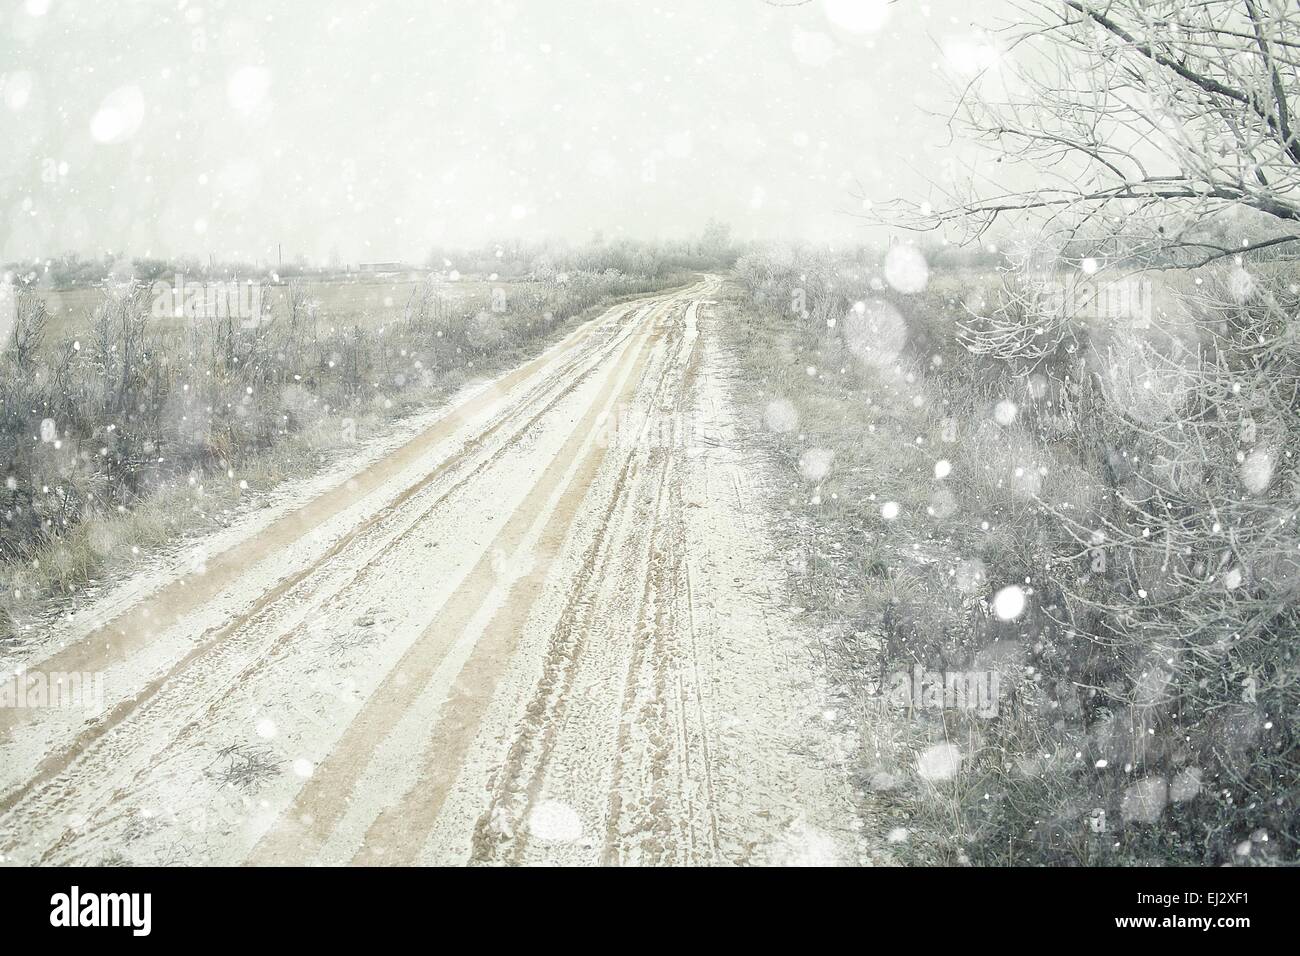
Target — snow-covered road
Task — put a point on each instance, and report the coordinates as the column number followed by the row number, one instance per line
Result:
column 545, row 626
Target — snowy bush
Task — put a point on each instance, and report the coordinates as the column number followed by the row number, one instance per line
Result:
column 1144, row 478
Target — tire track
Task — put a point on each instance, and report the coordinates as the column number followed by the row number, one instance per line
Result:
column 325, row 797
column 524, row 770
column 571, row 354
column 88, row 655
column 599, row 669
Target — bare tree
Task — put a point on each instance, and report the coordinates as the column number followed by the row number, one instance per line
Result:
column 1141, row 125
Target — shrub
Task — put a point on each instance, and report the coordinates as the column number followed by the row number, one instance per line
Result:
column 1146, row 483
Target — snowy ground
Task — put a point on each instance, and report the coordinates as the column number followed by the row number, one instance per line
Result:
column 543, row 628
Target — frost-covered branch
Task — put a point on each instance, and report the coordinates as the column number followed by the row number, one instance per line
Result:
column 1150, row 132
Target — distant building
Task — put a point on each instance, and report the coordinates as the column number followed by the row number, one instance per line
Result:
column 381, row 267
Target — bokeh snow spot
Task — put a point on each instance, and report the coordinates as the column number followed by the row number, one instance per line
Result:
column 943, row 504
column 875, row 332
column 970, row 575
column 812, row 48
column 803, row 845
column 940, row 762
column 555, row 822
column 1185, row 785
column 119, row 116
column 780, row 416
column 1009, row 603
column 17, row 87
column 1004, row 413
column 1144, row 802
column 906, row 270
column 1257, row 472
column 968, row 56
column 815, row 463
column 882, row 781
column 1241, row 284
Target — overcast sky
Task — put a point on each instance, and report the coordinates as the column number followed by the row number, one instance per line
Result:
column 379, row 130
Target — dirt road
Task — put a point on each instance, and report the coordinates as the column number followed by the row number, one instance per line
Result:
column 541, row 625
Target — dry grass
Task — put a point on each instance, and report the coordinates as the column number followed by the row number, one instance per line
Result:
column 369, row 302
column 1076, row 737
column 152, row 449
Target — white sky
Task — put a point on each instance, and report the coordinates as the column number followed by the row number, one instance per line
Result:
column 381, row 129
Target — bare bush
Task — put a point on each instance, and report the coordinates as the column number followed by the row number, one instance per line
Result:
column 1144, row 479
column 135, row 407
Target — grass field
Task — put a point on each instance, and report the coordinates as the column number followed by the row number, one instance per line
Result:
column 120, row 431
column 1131, row 493
column 369, row 302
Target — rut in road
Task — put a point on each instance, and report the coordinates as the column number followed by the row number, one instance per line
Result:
column 545, row 629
